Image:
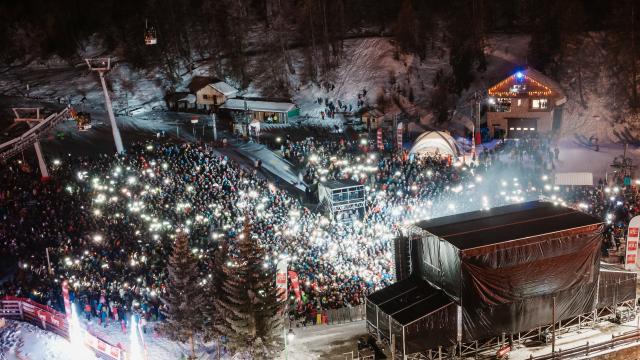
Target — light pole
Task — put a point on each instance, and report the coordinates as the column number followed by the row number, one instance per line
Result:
column 102, row 66
column 215, row 128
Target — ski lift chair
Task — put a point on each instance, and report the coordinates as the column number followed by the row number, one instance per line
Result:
column 83, row 121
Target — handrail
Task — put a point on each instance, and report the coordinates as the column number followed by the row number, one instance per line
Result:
column 589, row 349
column 52, row 320
column 10, row 148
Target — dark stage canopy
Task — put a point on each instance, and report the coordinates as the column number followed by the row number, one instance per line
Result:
column 478, row 275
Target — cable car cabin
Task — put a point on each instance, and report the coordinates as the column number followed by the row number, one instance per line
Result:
column 83, row 121
column 150, row 37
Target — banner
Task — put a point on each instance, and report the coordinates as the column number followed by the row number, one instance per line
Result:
column 295, row 284
column 631, row 254
column 281, row 279
column 379, row 140
column 399, row 135
column 65, row 298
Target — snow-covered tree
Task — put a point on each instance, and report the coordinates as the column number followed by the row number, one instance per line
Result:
column 213, row 311
column 184, row 299
column 249, row 301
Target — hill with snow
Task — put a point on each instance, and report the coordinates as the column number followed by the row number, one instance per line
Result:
column 393, row 81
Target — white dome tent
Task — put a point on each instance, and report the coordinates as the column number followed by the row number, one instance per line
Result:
column 436, row 143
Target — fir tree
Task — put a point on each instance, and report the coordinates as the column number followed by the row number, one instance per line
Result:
column 184, row 298
column 213, row 310
column 250, row 301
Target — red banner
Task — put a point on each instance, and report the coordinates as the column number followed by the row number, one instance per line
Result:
column 65, row 298
column 631, row 256
column 295, row 284
column 379, row 140
column 281, row 279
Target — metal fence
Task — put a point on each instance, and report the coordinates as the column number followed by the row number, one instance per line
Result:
column 589, row 349
column 48, row 319
column 346, row 314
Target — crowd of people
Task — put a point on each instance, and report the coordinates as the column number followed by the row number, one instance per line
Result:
column 107, row 223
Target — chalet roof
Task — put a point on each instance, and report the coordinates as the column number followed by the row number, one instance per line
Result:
column 181, row 96
column 198, row 82
column 224, row 88
column 529, row 82
column 374, row 113
column 258, row 105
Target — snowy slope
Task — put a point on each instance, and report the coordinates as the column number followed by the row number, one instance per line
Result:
column 371, row 64
column 19, row 341
column 53, row 84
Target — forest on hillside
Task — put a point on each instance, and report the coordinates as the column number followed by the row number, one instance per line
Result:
column 225, row 33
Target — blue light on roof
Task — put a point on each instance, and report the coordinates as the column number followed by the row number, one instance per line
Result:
column 519, row 75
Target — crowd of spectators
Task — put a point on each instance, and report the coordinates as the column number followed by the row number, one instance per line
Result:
column 107, row 223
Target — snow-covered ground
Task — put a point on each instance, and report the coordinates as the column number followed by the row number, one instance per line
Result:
column 20, row 341
column 575, row 156
column 601, row 332
column 325, row 341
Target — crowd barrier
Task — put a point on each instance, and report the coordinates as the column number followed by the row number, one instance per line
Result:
column 339, row 316
column 48, row 319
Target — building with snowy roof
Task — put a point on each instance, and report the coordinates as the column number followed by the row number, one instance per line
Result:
column 524, row 104
column 210, row 92
column 276, row 111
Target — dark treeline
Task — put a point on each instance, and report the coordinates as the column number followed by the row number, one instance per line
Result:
column 228, row 32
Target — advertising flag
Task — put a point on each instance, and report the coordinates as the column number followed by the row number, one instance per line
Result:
column 631, row 254
column 281, row 279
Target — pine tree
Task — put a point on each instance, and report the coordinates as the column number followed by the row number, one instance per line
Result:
column 184, row 299
column 406, row 29
column 250, row 301
column 213, row 310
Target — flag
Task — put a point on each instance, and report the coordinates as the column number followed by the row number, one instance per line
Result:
column 295, row 284
column 281, row 279
column 633, row 234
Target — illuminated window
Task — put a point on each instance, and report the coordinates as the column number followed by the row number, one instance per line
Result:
column 501, row 105
column 518, row 129
column 539, row 103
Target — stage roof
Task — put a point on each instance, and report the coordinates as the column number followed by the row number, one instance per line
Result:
column 506, row 224
column 339, row 184
column 409, row 300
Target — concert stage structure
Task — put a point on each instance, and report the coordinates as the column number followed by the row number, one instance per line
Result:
column 345, row 200
column 514, row 272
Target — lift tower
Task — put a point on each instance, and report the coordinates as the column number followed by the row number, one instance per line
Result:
column 101, row 66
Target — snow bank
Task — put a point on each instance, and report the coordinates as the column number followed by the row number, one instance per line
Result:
column 20, row 341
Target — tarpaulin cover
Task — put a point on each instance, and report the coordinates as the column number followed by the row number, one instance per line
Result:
column 615, row 286
column 440, row 326
column 512, row 289
column 419, row 307
column 438, row 262
column 506, row 266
